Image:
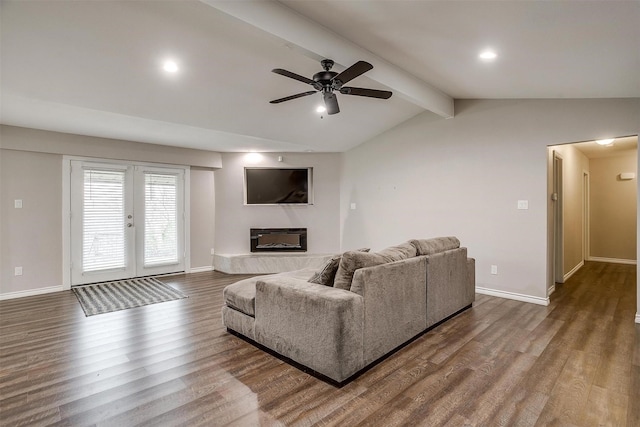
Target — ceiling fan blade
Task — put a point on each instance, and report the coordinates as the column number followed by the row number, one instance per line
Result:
column 352, row 72
column 293, row 76
column 371, row 93
column 331, row 103
column 289, row 98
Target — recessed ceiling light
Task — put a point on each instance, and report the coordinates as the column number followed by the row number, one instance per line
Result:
column 487, row 55
column 605, row 141
column 170, row 66
column 321, row 109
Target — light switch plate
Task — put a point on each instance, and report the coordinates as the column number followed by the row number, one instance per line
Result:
column 17, row 203
column 18, row 271
column 353, row 206
column 523, row 204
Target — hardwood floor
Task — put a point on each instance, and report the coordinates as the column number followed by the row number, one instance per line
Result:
column 502, row 362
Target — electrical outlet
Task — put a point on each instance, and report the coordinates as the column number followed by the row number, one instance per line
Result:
column 18, row 271
column 494, row 269
column 212, row 251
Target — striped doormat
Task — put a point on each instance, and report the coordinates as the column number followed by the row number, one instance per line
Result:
column 122, row 294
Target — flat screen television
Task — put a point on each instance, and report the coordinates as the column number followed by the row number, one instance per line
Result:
column 278, row 186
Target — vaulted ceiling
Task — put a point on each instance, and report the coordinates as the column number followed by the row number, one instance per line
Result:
column 95, row 67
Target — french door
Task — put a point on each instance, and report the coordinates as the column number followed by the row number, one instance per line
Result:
column 126, row 221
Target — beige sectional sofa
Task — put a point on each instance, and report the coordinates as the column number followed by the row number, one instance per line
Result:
column 367, row 305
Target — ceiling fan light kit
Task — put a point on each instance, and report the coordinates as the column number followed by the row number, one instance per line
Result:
column 327, row 82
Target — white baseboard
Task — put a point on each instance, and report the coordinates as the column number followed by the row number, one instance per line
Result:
column 201, row 269
column 31, row 292
column 513, row 295
column 573, row 271
column 613, row 260
column 551, row 290
column 637, row 317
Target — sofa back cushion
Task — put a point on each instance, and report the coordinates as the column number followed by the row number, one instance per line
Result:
column 436, row 245
column 353, row 260
column 327, row 274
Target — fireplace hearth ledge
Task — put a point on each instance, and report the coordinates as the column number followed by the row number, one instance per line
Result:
column 267, row 262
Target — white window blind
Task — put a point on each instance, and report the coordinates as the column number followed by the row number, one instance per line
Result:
column 103, row 230
column 161, row 219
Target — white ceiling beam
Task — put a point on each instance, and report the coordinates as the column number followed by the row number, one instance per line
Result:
column 317, row 41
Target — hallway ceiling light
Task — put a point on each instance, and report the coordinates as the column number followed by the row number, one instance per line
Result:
column 605, row 142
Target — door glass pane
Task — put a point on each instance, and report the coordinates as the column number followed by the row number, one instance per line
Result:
column 103, row 228
column 161, row 218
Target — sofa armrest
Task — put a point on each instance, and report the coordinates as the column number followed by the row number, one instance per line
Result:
column 317, row 326
column 394, row 304
column 449, row 285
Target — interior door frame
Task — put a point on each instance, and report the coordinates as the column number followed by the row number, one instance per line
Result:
column 558, row 218
column 66, row 209
column 586, row 213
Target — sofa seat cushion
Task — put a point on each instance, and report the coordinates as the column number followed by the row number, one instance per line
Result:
column 435, row 245
column 353, row 260
column 241, row 295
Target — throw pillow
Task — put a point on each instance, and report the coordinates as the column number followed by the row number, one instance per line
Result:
column 436, row 245
column 326, row 275
column 351, row 261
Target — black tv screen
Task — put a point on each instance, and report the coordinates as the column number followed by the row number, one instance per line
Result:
column 269, row 186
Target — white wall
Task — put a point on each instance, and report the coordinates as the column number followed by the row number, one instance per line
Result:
column 431, row 177
column 234, row 219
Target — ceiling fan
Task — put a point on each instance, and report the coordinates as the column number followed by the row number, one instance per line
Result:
column 328, row 81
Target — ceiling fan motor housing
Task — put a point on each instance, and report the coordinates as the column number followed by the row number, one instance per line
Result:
column 328, row 81
column 324, row 77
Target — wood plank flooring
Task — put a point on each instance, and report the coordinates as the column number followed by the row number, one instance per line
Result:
column 575, row 362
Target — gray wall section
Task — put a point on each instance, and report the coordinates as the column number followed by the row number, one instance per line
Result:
column 234, row 218
column 42, row 141
column 31, row 237
column 432, row 177
column 203, row 202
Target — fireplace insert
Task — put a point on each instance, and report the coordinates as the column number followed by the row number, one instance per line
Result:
column 278, row 240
